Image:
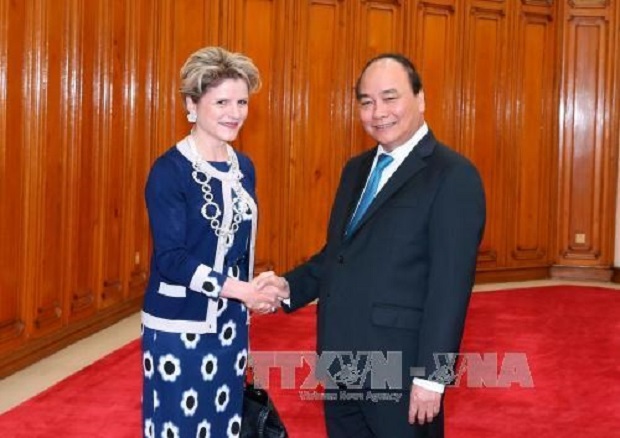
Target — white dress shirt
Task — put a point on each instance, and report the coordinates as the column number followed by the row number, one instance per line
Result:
column 399, row 154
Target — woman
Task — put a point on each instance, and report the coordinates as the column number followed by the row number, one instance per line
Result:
column 200, row 197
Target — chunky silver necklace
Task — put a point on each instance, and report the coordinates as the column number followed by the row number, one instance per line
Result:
column 202, row 173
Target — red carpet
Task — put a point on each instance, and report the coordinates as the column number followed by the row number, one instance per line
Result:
column 570, row 335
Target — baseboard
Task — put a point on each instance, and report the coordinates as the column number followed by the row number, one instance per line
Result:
column 581, row 273
column 37, row 349
column 615, row 276
column 513, row 274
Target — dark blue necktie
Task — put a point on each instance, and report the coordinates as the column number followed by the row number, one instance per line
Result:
column 369, row 194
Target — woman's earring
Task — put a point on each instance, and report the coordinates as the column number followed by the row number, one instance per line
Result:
column 191, row 117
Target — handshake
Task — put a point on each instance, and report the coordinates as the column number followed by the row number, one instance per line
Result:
column 267, row 293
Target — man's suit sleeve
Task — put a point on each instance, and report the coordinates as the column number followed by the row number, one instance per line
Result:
column 304, row 282
column 456, row 225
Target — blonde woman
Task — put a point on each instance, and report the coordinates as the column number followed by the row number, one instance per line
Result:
column 200, row 197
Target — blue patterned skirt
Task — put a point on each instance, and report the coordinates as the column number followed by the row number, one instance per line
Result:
column 193, row 384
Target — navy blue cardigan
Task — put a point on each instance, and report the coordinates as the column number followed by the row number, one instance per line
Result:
column 183, row 287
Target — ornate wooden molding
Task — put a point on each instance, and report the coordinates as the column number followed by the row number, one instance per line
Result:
column 430, row 5
column 487, row 12
column 487, row 256
column 111, row 288
column 528, row 254
column 48, row 315
column 82, row 300
column 585, row 4
column 326, row 2
column 385, row 2
column 538, row 17
column 589, row 254
column 537, row 2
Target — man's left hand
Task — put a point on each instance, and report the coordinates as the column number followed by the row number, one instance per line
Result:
column 424, row 405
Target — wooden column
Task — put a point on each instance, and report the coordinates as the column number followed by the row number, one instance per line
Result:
column 588, row 140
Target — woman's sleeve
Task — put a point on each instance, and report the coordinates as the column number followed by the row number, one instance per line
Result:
column 166, row 204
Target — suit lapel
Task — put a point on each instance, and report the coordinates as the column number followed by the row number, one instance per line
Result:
column 414, row 163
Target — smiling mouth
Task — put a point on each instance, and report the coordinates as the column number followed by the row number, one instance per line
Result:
column 231, row 125
column 384, row 126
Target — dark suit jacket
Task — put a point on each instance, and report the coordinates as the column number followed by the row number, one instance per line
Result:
column 402, row 281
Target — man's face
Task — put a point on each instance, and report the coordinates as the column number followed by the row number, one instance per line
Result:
column 389, row 111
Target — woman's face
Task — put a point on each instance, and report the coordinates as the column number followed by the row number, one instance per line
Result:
column 221, row 111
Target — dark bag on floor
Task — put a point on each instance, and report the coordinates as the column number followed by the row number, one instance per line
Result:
column 260, row 417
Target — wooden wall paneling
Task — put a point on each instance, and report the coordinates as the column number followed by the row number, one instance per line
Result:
column 176, row 39
column 320, row 140
column 187, row 39
column 588, row 4
column 138, row 139
column 70, row 125
column 437, row 57
column 214, row 12
column 13, row 310
column 166, row 73
column 378, row 27
column 483, row 104
column 45, row 171
column 101, row 144
column 615, row 122
column 112, row 156
column 84, row 178
column 256, row 28
column 530, row 122
column 587, row 166
column 381, row 26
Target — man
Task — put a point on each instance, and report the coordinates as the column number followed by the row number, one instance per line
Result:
column 398, row 266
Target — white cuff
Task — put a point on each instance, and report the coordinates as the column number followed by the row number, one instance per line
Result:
column 202, row 282
column 427, row 384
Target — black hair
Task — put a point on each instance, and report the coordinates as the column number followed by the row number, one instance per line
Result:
column 414, row 77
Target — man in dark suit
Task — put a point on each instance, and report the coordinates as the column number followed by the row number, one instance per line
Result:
column 398, row 266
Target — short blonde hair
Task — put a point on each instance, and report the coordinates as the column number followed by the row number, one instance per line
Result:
column 210, row 66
